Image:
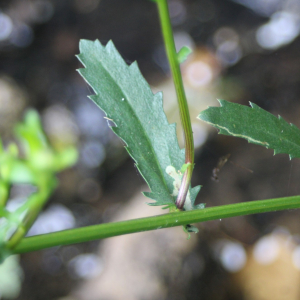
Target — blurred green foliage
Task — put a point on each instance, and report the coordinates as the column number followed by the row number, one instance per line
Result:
column 31, row 160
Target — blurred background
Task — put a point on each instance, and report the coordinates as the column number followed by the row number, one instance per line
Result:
column 243, row 50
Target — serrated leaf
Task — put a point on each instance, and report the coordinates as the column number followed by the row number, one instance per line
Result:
column 126, row 98
column 255, row 125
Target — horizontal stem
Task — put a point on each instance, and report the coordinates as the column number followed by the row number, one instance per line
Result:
column 85, row 234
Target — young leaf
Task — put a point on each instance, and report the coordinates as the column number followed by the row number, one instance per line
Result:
column 126, row 98
column 255, row 125
column 183, row 54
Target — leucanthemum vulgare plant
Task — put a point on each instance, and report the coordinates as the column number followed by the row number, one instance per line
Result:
column 139, row 120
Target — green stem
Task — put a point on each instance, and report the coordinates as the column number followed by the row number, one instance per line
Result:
column 4, row 193
column 182, row 102
column 101, row 231
column 27, row 213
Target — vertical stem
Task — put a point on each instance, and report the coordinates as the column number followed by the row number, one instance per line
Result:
column 181, row 98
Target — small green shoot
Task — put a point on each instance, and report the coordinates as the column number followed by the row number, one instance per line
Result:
column 37, row 166
column 183, row 54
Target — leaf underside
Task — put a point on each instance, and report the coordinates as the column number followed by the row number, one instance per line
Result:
column 126, row 98
column 255, row 125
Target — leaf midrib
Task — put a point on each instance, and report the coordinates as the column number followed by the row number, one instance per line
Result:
column 139, row 122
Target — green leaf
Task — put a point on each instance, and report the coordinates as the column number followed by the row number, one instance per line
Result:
column 183, row 54
column 30, row 133
column 255, row 125
column 126, row 98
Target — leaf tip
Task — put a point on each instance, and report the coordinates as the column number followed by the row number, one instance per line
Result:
column 220, row 101
column 110, row 48
column 80, row 71
column 134, row 67
column 255, row 106
column 293, row 156
column 203, row 115
column 83, row 44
